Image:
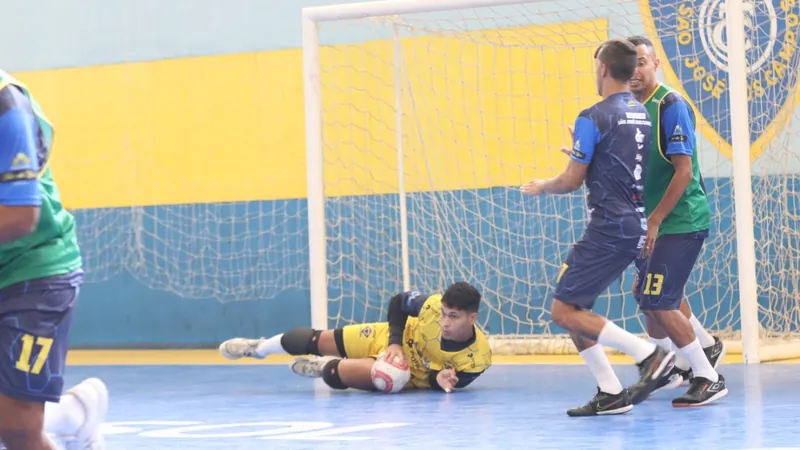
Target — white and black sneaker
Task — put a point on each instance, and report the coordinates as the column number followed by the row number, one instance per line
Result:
column 310, row 366
column 604, row 404
column 702, row 391
column 669, row 380
column 714, row 354
column 651, row 370
column 238, row 348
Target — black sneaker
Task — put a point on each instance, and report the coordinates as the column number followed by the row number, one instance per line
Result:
column 669, row 380
column 714, row 353
column 604, row 404
column 650, row 371
column 702, row 392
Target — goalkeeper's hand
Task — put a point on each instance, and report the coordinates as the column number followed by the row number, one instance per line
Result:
column 447, row 380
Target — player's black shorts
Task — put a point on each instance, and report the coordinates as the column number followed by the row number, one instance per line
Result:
column 590, row 268
column 35, row 320
column 662, row 277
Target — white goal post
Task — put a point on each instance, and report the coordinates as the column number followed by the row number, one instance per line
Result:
column 422, row 117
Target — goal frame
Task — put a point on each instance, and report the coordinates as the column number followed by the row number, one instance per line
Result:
column 740, row 142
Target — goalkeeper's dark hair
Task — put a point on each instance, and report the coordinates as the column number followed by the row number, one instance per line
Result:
column 641, row 40
column 619, row 55
column 462, row 296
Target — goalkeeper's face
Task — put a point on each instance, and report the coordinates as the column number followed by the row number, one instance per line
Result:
column 645, row 79
column 457, row 325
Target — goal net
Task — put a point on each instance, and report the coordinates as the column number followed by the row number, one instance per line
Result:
column 429, row 121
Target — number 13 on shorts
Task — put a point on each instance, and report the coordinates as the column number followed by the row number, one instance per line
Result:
column 26, row 362
column 653, row 283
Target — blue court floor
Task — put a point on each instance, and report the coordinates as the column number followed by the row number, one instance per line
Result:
column 510, row 407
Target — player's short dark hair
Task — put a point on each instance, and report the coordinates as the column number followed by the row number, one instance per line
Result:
column 462, row 296
column 620, row 56
column 640, row 40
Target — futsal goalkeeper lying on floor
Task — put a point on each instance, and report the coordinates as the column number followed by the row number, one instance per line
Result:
column 444, row 347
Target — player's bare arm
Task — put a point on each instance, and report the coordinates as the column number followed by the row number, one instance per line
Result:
column 680, row 181
column 17, row 222
column 400, row 307
column 569, row 180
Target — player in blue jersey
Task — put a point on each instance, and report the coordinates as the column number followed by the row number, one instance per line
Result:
column 679, row 219
column 610, row 141
column 40, row 275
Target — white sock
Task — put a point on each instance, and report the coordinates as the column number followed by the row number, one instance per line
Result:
column 271, row 346
column 598, row 363
column 699, row 362
column 706, row 340
column 65, row 417
column 680, row 361
column 665, row 343
column 615, row 337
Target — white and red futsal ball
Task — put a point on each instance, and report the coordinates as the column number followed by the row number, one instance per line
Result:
column 390, row 376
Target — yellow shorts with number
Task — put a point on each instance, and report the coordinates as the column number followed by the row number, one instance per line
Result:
column 366, row 340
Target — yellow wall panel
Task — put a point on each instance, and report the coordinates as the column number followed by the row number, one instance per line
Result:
column 481, row 109
column 210, row 129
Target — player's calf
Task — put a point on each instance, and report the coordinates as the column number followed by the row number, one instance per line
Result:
column 337, row 373
column 681, row 333
column 298, row 341
column 706, row 386
column 22, row 425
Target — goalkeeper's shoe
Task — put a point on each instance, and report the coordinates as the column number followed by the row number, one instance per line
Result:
column 604, row 404
column 310, row 366
column 237, row 348
column 702, row 392
column 92, row 394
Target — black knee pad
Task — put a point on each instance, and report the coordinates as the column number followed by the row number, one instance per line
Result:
column 301, row 341
column 330, row 375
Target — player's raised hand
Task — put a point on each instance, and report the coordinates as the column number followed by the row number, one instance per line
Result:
column 533, row 187
column 394, row 353
column 568, row 150
column 447, row 380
